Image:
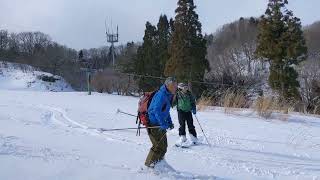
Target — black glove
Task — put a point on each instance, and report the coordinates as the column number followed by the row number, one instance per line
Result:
column 171, row 126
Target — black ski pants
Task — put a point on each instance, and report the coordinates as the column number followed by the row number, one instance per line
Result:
column 186, row 117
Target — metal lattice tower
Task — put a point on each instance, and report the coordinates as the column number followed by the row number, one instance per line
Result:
column 112, row 38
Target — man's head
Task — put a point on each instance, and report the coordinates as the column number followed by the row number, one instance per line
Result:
column 171, row 84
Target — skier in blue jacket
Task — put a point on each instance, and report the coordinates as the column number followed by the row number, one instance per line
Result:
column 159, row 115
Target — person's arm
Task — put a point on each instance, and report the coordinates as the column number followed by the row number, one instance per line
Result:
column 193, row 103
column 170, row 123
column 159, row 103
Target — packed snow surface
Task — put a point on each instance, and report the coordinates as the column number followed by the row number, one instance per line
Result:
column 54, row 136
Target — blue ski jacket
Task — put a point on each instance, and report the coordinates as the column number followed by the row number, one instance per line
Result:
column 159, row 109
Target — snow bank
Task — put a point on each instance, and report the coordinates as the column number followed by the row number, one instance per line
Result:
column 15, row 76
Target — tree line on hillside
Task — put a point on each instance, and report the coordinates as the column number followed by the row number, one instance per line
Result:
column 37, row 49
column 272, row 53
column 178, row 48
column 241, row 55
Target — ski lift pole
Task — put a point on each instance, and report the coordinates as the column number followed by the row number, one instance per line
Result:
column 89, row 73
column 202, row 131
column 89, row 81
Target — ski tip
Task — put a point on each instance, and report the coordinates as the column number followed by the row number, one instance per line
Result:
column 182, row 146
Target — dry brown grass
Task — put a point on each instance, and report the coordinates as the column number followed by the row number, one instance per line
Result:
column 204, row 102
column 266, row 106
column 234, row 100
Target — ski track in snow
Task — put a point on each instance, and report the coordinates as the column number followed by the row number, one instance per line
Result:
column 59, row 116
column 55, row 116
column 168, row 172
column 236, row 163
column 276, row 162
column 12, row 146
column 67, row 122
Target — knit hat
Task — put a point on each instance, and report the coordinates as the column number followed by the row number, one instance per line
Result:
column 170, row 80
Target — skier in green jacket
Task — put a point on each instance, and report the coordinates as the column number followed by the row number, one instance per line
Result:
column 186, row 106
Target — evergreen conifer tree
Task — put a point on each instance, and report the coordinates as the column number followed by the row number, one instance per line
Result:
column 187, row 50
column 281, row 42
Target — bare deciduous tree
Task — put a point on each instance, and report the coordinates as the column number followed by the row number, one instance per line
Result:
column 231, row 52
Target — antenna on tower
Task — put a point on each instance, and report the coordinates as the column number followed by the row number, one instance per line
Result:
column 112, row 38
column 105, row 25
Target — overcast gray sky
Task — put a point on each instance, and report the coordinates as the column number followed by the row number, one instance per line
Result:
column 80, row 23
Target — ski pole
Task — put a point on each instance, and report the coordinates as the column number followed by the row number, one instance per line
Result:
column 122, row 112
column 202, row 130
column 121, row 129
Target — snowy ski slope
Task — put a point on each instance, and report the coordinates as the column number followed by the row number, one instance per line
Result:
column 53, row 136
